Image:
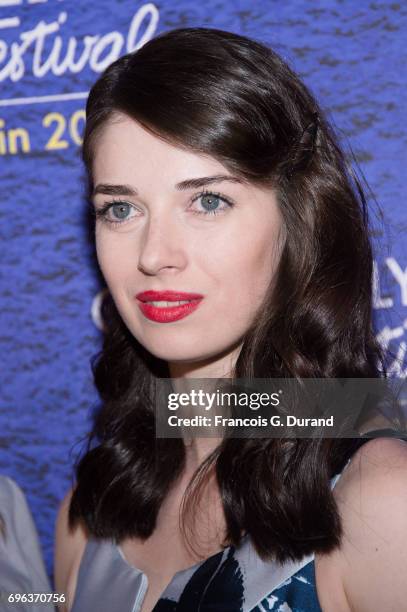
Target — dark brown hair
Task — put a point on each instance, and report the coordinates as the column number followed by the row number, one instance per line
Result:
column 234, row 99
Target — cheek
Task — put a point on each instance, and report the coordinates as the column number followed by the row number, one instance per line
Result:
column 252, row 266
column 247, row 267
column 103, row 257
column 111, row 258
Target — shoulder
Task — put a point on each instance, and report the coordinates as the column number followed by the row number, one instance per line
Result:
column 10, row 491
column 14, row 509
column 372, row 501
column 20, row 542
column 69, row 547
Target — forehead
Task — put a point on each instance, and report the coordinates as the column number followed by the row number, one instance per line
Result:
column 124, row 148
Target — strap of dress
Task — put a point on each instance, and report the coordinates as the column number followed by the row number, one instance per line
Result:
column 386, row 432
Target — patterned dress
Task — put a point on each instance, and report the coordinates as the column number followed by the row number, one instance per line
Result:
column 233, row 580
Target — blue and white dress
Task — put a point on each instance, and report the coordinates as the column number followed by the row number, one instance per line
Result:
column 233, row 580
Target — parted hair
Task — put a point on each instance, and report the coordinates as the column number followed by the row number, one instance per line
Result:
column 233, row 98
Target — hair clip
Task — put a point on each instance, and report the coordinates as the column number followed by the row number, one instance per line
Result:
column 304, row 148
column 310, row 132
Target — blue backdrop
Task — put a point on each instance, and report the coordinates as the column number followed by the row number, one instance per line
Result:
column 351, row 54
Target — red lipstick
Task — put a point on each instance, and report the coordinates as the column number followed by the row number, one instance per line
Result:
column 164, row 313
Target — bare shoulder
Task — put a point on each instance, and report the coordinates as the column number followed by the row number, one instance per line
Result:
column 372, row 501
column 69, row 548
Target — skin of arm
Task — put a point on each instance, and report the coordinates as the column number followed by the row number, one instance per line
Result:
column 372, row 501
column 69, row 548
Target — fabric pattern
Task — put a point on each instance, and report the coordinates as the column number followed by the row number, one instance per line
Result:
column 297, row 594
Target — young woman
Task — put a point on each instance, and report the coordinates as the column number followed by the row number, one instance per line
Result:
column 22, row 569
column 217, row 181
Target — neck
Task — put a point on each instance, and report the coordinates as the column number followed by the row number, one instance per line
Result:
column 183, row 375
column 221, row 366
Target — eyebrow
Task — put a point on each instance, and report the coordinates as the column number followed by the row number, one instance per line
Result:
column 193, row 183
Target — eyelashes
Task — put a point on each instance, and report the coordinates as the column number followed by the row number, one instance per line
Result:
column 212, row 195
column 102, row 213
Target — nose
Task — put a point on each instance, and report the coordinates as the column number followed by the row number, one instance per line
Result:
column 162, row 246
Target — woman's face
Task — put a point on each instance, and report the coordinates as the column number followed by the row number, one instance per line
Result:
column 219, row 238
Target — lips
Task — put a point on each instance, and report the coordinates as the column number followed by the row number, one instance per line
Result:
column 163, row 312
column 167, row 295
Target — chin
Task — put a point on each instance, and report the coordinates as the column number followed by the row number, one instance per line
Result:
column 177, row 354
column 180, row 352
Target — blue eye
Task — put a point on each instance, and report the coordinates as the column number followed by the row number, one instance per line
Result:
column 211, row 202
column 120, row 211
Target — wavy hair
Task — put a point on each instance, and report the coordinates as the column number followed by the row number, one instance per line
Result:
column 233, row 98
